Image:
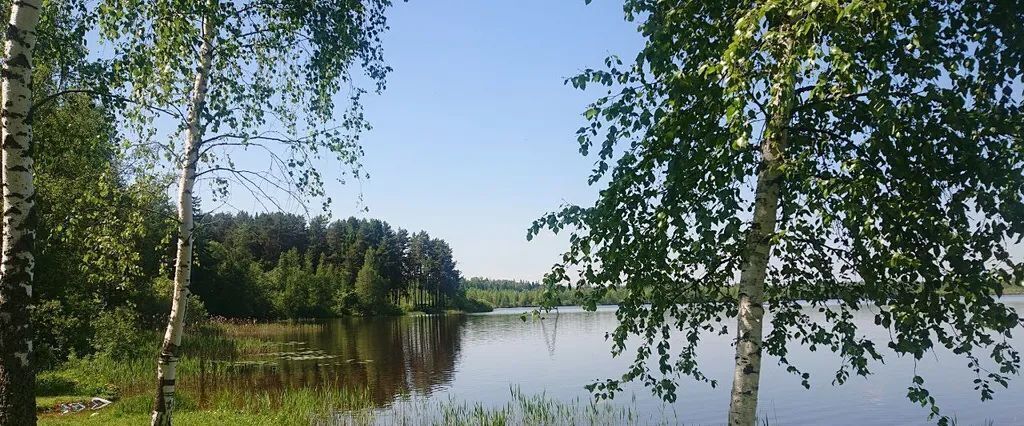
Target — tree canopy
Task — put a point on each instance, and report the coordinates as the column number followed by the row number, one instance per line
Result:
column 273, row 70
column 278, row 265
column 899, row 185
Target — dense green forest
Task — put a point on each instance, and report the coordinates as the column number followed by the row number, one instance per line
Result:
column 102, row 248
column 278, row 265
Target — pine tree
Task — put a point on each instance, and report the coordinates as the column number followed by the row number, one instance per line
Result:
column 370, row 284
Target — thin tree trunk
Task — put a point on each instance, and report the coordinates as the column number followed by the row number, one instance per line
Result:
column 17, row 377
column 750, row 321
column 167, row 363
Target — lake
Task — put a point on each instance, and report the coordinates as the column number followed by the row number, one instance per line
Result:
column 480, row 357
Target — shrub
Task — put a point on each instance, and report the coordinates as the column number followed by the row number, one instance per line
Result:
column 467, row 304
column 118, row 334
column 196, row 315
column 51, row 384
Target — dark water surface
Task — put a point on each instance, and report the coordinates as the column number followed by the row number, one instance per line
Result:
column 478, row 357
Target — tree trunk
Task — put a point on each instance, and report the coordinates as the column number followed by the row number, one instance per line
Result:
column 750, row 321
column 17, row 378
column 167, row 362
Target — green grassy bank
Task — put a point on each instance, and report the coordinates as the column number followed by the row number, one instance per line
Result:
column 304, row 408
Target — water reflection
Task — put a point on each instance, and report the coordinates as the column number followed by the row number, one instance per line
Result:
column 550, row 336
column 477, row 358
column 500, row 350
column 383, row 357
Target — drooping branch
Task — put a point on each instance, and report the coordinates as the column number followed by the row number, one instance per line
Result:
column 250, row 177
column 103, row 95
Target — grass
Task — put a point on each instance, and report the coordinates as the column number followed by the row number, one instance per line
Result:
column 198, row 418
column 224, row 406
column 216, row 387
column 212, row 358
column 303, row 407
column 106, row 377
column 257, row 330
column 223, row 392
column 520, row 409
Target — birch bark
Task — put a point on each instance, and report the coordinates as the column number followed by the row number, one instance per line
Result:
column 17, row 377
column 167, row 362
column 750, row 320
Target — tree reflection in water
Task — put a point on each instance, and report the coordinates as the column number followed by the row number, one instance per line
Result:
column 383, row 357
column 550, row 337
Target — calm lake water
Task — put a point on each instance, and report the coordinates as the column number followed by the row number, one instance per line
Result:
column 478, row 357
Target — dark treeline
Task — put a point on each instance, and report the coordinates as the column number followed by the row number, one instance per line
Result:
column 503, row 293
column 500, row 284
column 278, row 265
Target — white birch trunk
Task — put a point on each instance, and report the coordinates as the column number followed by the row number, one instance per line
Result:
column 167, row 363
column 17, row 378
column 750, row 321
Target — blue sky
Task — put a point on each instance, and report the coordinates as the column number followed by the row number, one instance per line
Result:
column 474, row 136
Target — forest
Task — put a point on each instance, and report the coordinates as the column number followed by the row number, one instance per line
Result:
column 259, row 266
column 262, row 266
column 276, row 265
column 503, row 293
column 761, row 179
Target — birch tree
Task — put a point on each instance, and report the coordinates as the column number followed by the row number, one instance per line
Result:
column 17, row 378
column 241, row 78
column 794, row 157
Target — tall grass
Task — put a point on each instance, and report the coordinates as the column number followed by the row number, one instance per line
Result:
column 224, row 381
column 237, row 329
column 100, row 375
column 521, row 408
column 238, row 406
column 213, row 356
column 220, row 373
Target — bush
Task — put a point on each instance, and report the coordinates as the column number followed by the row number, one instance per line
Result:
column 61, row 329
column 346, row 302
column 87, row 376
column 465, row 303
column 118, row 334
column 196, row 315
column 51, row 384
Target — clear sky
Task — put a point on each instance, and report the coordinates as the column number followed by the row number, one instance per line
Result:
column 474, row 136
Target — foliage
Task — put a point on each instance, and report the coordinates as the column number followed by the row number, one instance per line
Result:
column 499, row 284
column 901, row 184
column 272, row 70
column 465, row 303
column 97, row 231
column 370, row 284
column 276, row 265
column 103, row 236
column 294, row 292
column 117, row 334
column 511, row 293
